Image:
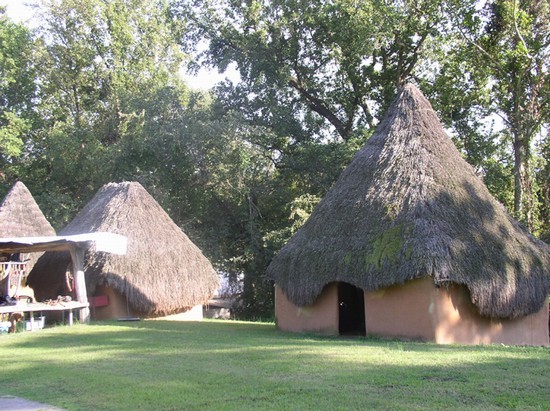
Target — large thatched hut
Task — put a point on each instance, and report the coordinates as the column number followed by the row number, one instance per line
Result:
column 163, row 272
column 410, row 243
column 20, row 216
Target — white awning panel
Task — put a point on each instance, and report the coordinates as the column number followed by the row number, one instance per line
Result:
column 106, row 242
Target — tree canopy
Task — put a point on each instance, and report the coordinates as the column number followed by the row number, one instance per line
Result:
column 17, row 88
column 340, row 61
column 95, row 94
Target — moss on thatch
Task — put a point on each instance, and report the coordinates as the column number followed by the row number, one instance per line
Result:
column 408, row 206
column 162, row 273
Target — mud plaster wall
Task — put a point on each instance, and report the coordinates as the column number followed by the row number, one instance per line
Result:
column 320, row 317
column 117, row 309
column 416, row 310
column 419, row 310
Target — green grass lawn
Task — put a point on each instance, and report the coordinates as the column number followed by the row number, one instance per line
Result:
column 226, row 365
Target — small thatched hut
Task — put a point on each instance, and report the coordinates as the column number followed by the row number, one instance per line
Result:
column 20, row 216
column 410, row 243
column 163, row 272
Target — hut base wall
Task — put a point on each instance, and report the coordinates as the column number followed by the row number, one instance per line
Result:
column 459, row 322
column 401, row 311
column 320, row 317
column 116, row 307
column 418, row 310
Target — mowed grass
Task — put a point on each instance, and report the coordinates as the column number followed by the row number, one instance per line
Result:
column 228, row 365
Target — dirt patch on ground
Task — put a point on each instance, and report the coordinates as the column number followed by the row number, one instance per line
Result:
column 11, row 403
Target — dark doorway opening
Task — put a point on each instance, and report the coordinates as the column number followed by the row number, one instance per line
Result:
column 351, row 310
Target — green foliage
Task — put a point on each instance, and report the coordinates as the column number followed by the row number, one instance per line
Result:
column 95, row 95
column 108, row 71
column 543, row 185
column 16, row 66
column 11, row 144
column 490, row 86
column 17, row 90
column 506, row 47
column 313, row 64
column 300, row 210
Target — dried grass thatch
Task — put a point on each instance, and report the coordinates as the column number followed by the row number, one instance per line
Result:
column 162, row 273
column 408, row 206
column 20, row 216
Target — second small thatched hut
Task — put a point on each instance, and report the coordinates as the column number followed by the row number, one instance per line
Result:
column 163, row 272
column 410, row 243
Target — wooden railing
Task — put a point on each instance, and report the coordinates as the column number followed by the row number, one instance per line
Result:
column 14, row 271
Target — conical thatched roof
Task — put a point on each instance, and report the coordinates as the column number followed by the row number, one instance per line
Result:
column 20, row 216
column 162, row 273
column 408, row 206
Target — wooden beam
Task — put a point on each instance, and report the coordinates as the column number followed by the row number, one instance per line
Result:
column 77, row 255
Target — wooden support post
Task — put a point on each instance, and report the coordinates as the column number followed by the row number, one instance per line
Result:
column 5, row 268
column 77, row 255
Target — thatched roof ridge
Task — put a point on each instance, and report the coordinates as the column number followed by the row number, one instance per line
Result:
column 409, row 206
column 20, row 215
column 162, row 273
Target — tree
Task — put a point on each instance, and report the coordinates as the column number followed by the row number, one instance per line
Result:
column 302, row 61
column 543, row 177
column 17, row 89
column 459, row 89
column 315, row 79
column 105, row 69
column 510, row 39
column 103, row 56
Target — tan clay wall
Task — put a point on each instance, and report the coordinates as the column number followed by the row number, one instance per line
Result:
column 117, row 309
column 458, row 322
column 401, row 311
column 321, row 317
column 418, row 310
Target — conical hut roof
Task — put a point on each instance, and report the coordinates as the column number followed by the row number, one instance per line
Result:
column 20, row 215
column 408, row 206
column 162, row 273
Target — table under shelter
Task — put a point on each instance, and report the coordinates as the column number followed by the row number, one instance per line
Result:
column 77, row 245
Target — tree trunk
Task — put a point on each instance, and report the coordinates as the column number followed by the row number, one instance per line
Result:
column 76, row 106
column 523, row 195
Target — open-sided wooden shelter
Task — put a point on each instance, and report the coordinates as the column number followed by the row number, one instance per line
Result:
column 75, row 246
column 410, row 243
column 162, row 273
